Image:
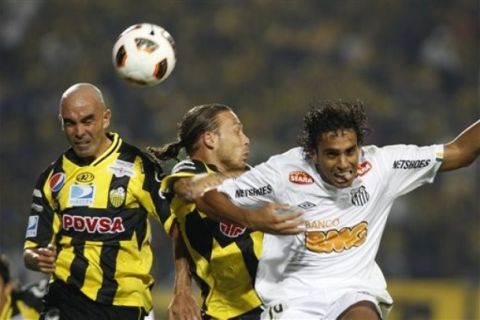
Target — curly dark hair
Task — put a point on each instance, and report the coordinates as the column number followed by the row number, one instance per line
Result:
column 195, row 122
column 326, row 116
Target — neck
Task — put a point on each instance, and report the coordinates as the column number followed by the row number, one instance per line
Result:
column 209, row 158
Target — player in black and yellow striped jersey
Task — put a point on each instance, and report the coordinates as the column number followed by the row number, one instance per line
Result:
column 19, row 303
column 88, row 224
column 223, row 257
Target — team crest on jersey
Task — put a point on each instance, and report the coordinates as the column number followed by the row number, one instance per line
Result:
column 300, row 177
column 85, row 177
column 122, row 168
column 363, row 167
column 56, row 181
column 359, row 196
column 117, row 197
column 32, row 227
column 231, row 230
column 81, row 195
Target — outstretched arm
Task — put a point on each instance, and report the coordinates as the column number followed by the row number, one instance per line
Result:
column 267, row 219
column 183, row 305
column 463, row 150
column 188, row 189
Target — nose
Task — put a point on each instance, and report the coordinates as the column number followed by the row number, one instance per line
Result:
column 246, row 139
column 342, row 162
column 79, row 130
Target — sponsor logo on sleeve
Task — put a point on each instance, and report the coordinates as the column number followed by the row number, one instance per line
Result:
column 32, row 227
column 231, row 230
column 411, row 164
column 300, row 177
column 81, row 195
column 253, row 192
column 56, row 181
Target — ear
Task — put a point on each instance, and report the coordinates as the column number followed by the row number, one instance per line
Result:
column 61, row 120
column 312, row 154
column 210, row 139
column 107, row 115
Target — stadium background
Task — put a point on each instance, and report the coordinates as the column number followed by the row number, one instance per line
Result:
column 414, row 63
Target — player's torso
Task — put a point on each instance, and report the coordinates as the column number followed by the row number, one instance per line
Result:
column 224, row 260
column 102, row 233
column 343, row 226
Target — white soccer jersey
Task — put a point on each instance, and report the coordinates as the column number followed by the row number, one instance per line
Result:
column 344, row 226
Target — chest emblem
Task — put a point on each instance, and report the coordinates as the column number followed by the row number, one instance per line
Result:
column 117, row 197
column 359, row 196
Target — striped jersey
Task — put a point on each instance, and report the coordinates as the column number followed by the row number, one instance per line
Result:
column 97, row 216
column 223, row 257
column 343, row 226
column 25, row 303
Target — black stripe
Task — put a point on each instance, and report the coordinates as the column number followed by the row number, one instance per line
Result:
column 108, row 263
column 79, row 265
column 108, row 256
column 245, row 244
column 200, row 234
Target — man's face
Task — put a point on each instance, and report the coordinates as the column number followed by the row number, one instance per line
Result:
column 84, row 124
column 336, row 157
column 233, row 145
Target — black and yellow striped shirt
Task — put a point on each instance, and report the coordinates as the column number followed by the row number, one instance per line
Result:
column 223, row 257
column 97, row 215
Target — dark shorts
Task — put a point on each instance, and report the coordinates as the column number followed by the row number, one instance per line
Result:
column 66, row 302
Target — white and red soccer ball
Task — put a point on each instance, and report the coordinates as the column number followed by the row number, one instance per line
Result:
column 144, row 54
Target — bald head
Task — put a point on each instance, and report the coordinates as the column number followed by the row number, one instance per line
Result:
column 82, row 93
column 85, row 118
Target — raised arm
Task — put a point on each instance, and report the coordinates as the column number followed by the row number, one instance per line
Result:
column 463, row 150
column 267, row 219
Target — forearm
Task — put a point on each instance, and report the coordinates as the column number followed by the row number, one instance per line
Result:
column 463, row 150
column 217, row 206
column 191, row 188
column 183, row 278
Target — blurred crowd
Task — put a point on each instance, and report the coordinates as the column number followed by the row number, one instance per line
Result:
column 415, row 64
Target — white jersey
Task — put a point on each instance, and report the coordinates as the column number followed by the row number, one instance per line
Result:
column 344, row 226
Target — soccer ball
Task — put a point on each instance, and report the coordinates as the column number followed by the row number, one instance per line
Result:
column 144, row 54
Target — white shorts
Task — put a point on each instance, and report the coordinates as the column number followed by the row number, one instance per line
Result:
column 324, row 305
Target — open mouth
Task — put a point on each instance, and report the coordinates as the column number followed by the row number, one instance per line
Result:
column 343, row 177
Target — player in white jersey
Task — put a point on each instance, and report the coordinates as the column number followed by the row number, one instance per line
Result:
column 346, row 192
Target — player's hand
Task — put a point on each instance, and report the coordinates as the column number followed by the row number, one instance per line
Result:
column 277, row 219
column 183, row 307
column 45, row 259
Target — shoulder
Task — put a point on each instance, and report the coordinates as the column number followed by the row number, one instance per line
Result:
column 191, row 167
column 287, row 157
